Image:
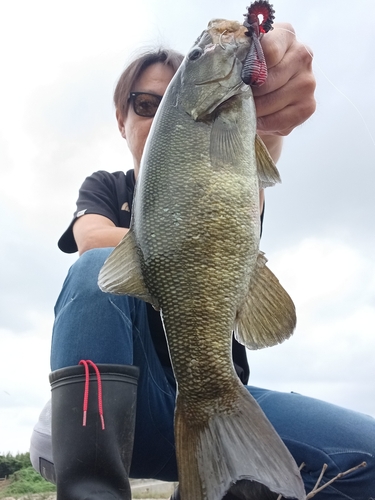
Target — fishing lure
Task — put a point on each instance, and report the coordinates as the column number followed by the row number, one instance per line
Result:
column 258, row 20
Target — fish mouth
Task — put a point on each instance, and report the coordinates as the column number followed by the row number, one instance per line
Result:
column 224, row 47
column 214, row 108
column 218, row 79
column 233, row 89
column 197, row 114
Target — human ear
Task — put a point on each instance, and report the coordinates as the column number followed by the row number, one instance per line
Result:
column 120, row 123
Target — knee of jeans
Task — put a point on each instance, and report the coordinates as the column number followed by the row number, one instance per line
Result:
column 82, row 283
column 85, row 271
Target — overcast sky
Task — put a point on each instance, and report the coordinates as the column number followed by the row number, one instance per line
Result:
column 59, row 64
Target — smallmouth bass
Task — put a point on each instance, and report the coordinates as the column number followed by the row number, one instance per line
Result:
column 192, row 251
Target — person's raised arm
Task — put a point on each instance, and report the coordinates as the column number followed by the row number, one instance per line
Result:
column 287, row 98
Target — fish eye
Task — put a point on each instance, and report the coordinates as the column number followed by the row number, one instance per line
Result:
column 195, row 53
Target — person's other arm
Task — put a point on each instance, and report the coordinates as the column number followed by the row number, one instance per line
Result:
column 96, row 231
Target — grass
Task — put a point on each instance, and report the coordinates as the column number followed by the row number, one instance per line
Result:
column 25, row 482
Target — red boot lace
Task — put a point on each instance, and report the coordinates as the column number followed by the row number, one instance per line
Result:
column 86, row 364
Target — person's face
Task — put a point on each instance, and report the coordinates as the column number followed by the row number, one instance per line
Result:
column 135, row 128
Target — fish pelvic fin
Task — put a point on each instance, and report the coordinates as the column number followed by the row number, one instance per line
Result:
column 121, row 273
column 268, row 316
column 267, row 172
column 232, row 446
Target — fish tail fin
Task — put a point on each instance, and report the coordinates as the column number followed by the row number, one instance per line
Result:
column 233, row 446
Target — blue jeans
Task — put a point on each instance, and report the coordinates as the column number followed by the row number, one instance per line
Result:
column 107, row 328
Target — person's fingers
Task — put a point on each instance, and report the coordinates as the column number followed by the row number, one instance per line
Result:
column 277, row 42
column 287, row 98
column 287, row 107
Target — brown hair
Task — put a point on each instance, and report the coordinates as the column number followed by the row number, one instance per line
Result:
column 134, row 70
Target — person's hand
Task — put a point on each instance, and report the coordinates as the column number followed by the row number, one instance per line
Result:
column 287, row 98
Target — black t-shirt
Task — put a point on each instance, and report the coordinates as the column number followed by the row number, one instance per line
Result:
column 111, row 195
column 102, row 193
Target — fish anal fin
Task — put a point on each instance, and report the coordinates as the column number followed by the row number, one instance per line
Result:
column 267, row 172
column 268, row 316
column 232, row 446
column 121, row 273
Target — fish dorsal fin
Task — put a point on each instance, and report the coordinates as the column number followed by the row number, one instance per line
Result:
column 225, row 141
column 267, row 172
column 121, row 273
column 268, row 315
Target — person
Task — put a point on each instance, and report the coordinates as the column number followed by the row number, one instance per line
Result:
column 129, row 375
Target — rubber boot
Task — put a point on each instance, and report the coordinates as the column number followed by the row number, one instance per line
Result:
column 93, row 418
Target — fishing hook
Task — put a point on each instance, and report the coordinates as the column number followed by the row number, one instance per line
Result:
column 221, row 35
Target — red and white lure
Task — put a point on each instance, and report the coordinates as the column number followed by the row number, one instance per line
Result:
column 258, row 20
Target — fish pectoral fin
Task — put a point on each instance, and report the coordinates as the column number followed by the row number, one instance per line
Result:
column 268, row 316
column 225, row 142
column 231, row 444
column 267, row 172
column 121, row 273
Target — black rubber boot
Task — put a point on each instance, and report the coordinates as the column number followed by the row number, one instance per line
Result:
column 92, row 447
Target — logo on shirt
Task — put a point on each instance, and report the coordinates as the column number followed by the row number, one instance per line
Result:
column 81, row 212
column 125, row 206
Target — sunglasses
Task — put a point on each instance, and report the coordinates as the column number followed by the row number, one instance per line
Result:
column 144, row 104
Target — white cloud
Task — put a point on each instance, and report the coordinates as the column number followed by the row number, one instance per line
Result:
column 329, row 268
column 57, row 125
column 330, row 355
column 24, row 387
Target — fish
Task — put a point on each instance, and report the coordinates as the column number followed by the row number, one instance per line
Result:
column 192, row 251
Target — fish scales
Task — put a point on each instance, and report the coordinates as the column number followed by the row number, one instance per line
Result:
column 201, row 220
column 193, row 252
